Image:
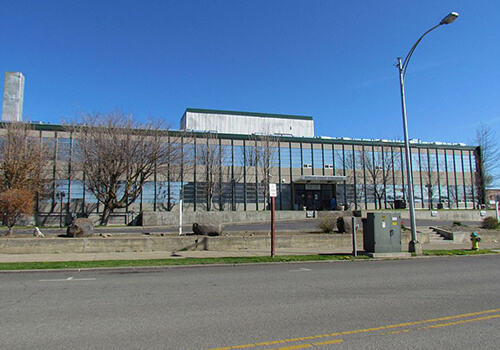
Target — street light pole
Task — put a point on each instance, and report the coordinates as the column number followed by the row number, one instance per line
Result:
column 414, row 246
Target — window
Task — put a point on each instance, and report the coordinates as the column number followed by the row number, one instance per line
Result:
column 307, row 155
column 285, row 157
column 63, row 149
column 318, row 158
column 296, row 159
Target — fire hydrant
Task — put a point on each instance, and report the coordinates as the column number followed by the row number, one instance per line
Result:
column 475, row 241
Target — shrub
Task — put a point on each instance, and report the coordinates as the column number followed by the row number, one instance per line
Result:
column 14, row 204
column 490, row 223
column 457, row 223
column 327, row 224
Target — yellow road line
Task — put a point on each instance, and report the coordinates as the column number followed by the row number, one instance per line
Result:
column 461, row 322
column 374, row 329
column 414, row 323
column 397, row 332
column 302, row 346
column 336, row 341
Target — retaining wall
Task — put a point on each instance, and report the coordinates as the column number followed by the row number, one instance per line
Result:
column 169, row 218
column 175, row 243
column 172, row 218
column 442, row 214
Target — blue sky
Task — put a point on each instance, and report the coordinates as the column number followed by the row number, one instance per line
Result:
column 333, row 60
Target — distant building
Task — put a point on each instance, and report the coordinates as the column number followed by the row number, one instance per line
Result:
column 13, row 95
column 247, row 123
column 492, row 196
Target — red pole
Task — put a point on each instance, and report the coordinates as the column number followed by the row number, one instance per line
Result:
column 272, row 227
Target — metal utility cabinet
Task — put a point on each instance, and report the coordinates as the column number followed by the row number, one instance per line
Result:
column 382, row 233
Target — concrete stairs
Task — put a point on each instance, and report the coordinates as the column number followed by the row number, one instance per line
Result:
column 434, row 237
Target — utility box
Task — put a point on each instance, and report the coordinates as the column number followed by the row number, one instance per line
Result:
column 382, row 233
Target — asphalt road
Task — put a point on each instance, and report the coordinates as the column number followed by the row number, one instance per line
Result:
column 437, row 303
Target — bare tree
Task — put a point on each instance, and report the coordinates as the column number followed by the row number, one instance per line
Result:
column 453, row 196
column 379, row 168
column 263, row 155
column 23, row 160
column 118, row 156
column 488, row 163
column 177, row 163
column 211, row 156
column 349, row 161
column 429, row 180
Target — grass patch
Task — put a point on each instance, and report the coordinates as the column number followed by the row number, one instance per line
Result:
column 168, row 262
column 55, row 265
column 459, row 252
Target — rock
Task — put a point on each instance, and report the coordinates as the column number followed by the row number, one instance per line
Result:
column 81, row 227
column 37, row 232
column 344, row 224
column 208, row 229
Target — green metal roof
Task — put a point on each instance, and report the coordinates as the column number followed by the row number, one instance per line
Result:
column 249, row 114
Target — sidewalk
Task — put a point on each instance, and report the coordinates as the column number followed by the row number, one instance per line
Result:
column 6, row 258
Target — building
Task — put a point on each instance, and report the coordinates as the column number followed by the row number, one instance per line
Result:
column 13, row 95
column 247, row 123
column 311, row 172
column 492, row 196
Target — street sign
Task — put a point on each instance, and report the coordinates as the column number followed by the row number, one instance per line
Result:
column 272, row 190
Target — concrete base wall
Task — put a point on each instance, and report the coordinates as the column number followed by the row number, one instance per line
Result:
column 167, row 244
column 445, row 214
column 225, row 217
column 171, row 218
column 170, row 244
column 55, row 219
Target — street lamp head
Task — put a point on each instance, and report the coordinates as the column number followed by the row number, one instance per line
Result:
column 449, row 18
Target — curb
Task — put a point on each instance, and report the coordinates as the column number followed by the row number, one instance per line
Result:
column 158, row 268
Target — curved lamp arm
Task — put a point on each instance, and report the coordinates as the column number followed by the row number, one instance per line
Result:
column 450, row 18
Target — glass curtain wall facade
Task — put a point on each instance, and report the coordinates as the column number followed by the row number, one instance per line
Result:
column 445, row 175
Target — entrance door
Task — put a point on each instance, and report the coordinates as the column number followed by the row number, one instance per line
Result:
column 313, row 199
column 313, row 196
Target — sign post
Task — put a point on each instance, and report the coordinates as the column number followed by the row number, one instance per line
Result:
column 354, row 243
column 272, row 194
column 181, row 197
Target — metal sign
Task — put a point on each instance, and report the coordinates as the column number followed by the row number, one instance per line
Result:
column 272, row 190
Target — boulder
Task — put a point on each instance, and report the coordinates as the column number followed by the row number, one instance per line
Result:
column 344, row 224
column 81, row 227
column 208, row 229
column 37, row 232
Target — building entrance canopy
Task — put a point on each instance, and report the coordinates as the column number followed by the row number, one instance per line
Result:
column 319, row 179
column 316, row 192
